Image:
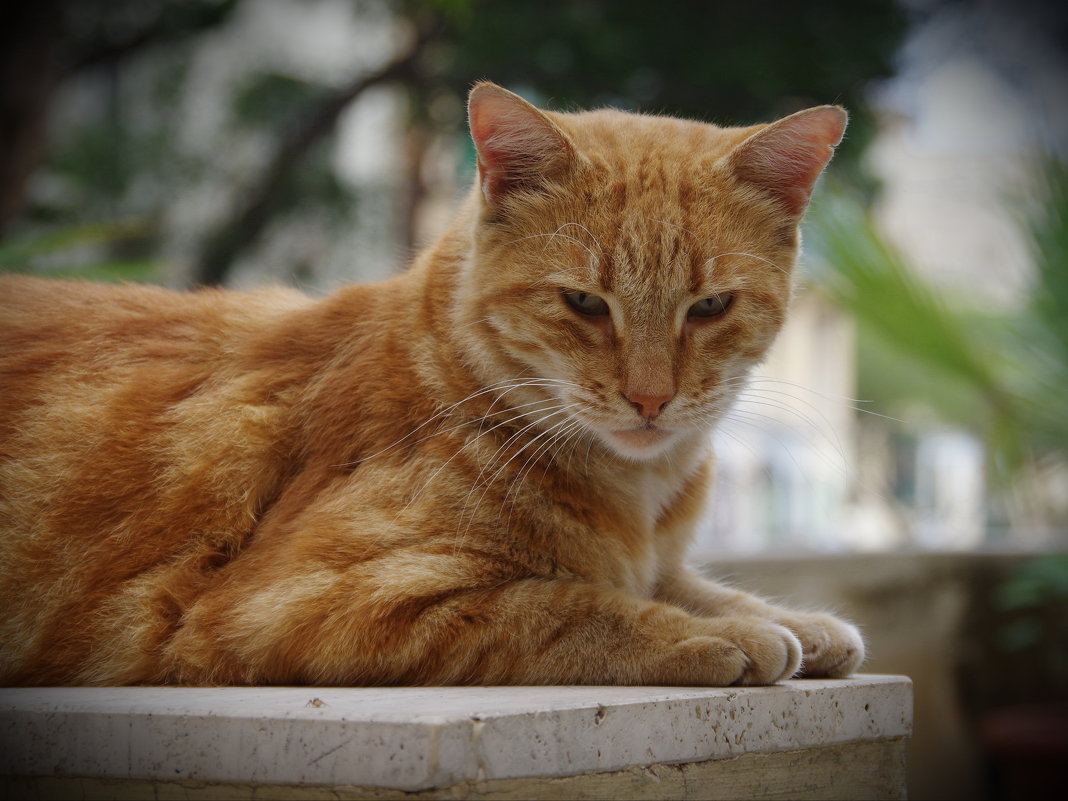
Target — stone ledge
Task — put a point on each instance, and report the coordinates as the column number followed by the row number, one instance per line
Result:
column 846, row 772
column 425, row 739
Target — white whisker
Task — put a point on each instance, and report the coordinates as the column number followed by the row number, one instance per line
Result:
column 750, row 397
column 569, row 427
column 415, row 495
column 568, row 237
column 508, row 385
column 486, row 484
column 827, row 396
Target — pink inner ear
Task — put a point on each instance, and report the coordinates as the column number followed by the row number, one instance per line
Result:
column 492, row 119
column 788, row 156
column 515, row 142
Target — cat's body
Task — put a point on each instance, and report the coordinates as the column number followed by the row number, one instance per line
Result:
column 484, row 470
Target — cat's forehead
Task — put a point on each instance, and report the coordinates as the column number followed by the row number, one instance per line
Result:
column 650, row 207
column 650, row 193
column 624, row 138
column 661, row 175
column 637, row 254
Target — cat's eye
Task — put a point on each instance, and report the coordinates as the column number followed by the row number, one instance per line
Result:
column 710, row 307
column 585, row 303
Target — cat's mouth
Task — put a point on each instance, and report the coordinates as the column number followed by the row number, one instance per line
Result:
column 646, row 436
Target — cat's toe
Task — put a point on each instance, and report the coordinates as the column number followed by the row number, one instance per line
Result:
column 777, row 657
column 832, row 648
column 732, row 651
column 771, row 652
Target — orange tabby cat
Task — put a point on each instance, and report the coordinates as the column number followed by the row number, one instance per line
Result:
column 485, row 470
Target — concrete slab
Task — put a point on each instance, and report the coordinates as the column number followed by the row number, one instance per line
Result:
column 410, row 738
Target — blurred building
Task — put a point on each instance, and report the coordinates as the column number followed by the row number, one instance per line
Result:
column 978, row 101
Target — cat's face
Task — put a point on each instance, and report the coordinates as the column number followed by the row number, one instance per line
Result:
column 630, row 277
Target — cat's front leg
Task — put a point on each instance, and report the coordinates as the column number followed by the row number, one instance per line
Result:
column 527, row 631
column 831, row 647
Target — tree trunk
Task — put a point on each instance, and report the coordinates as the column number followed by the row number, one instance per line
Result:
column 30, row 41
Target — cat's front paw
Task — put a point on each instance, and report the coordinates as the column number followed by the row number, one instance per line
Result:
column 741, row 650
column 832, row 648
column 773, row 652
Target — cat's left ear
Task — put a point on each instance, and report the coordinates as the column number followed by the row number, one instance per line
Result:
column 786, row 157
column 517, row 145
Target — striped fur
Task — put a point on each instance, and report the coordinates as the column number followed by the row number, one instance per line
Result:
column 450, row 477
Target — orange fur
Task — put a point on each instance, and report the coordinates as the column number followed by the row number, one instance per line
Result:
column 454, row 476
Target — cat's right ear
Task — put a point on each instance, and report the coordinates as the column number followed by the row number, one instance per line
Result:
column 517, row 145
column 786, row 157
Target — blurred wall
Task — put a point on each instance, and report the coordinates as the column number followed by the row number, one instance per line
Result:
column 943, row 619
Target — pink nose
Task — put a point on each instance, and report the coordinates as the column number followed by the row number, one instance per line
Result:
column 648, row 406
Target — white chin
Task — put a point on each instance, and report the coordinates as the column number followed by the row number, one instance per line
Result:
column 640, row 444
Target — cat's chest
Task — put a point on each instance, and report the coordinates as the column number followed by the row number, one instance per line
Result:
column 664, row 502
column 657, row 493
column 638, row 543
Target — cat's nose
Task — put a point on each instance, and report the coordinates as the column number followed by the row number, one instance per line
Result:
column 648, row 406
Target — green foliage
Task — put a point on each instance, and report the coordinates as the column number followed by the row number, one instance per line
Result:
column 1003, row 376
column 270, row 100
column 121, row 159
column 729, row 62
column 1041, row 334
column 61, row 253
column 316, row 184
column 1050, row 236
column 91, row 160
column 732, row 63
column 111, row 169
column 905, row 322
column 101, row 31
column 1034, row 599
column 872, row 278
column 1034, row 583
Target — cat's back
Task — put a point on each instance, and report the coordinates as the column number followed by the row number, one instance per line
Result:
column 139, row 428
column 38, row 314
column 73, row 339
column 115, row 398
column 110, row 393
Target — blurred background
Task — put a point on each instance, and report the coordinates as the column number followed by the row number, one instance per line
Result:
column 902, row 457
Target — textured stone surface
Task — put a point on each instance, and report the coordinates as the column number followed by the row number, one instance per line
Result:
column 849, row 771
column 424, row 738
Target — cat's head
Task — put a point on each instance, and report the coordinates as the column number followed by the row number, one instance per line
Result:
column 629, row 270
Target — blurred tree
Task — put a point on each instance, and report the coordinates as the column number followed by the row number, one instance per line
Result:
column 264, row 198
column 1002, row 376
column 727, row 62
column 46, row 42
